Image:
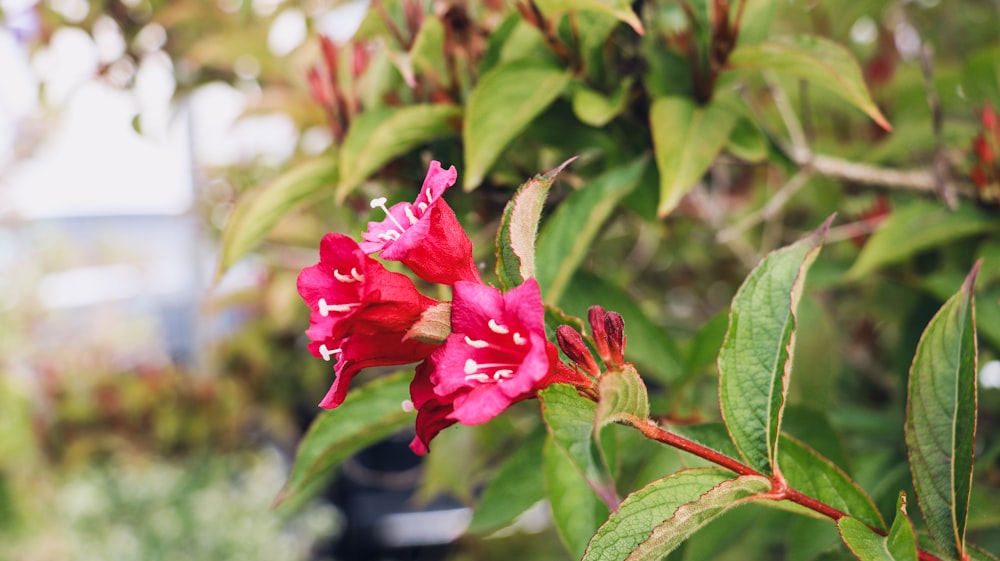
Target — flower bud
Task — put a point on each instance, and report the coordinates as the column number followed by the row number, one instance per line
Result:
column 571, row 343
column 614, row 327
column 595, row 315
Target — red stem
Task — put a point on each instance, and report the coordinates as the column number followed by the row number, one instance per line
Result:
column 780, row 490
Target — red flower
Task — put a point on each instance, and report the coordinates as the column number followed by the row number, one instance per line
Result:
column 360, row 313
column 496, row 355
column 425, row 236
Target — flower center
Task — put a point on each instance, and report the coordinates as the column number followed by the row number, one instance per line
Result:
column 411, row 217
column 505, row 358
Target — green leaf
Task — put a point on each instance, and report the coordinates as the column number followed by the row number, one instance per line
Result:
column 649, row 345
column 370, row 413
column 569, row 234
column 515, row 243
column 820, row 61
column 756, row 357
column 576, row 510
column 917, row 227
column 570, row 419
column 258, row 212
column 621, row 9
column 812, row 474
column 655, row 519
column 747, row 142
column 517, row 484
column 622, row 395
column 686, row 139
column 941, row 418
column 867, row 545
column 379, row 135
column 504, row 102
column 596, row 109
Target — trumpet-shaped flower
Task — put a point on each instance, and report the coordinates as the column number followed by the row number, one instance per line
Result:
column 360, row 313
column 425, row 235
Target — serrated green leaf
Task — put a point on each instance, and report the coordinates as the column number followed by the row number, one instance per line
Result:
column 686, row 139
column 755, row 359
column 379, row 135
column 820, row 61
column 649, row 345
column 570, row 420
column 569, row 234
column 622, row 395
column 504, row 102
column 515, row 242
column 917, row 227
column 867, row 545
column 941, row 418
column 370, row 413
column 621, row 9
column 576, row 510
column 517, row 484
column 258, row 212
column 655, row 519
column 812, row 474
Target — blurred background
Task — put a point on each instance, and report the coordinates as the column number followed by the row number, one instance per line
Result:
column 151, row 400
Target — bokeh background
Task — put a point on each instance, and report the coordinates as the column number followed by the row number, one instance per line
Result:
column 151, row 403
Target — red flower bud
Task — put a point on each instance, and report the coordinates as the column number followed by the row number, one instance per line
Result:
column 615, row 328
column 571, row 343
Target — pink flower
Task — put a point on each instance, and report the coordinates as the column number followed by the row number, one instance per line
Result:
column 425, row 236
column 360, row 313
column 496, row 355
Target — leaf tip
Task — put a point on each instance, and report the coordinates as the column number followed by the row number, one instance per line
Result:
column 970, row 280
column 549, row 175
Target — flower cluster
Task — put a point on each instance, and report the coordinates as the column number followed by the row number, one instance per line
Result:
column 364, row 315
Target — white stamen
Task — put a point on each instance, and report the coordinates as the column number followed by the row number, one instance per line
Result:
column 410, row 216
column 471, row 366
column 475, row 343
column 327, row 353
column 480, row 377
column 379, row 202
column 407, row 406
column 502, row 374
column 519, row 339
column 497, row 328
column 342, row 277
column 430, row 197
column 357, row 276
column 389, row 235
column 325, row 309
column 422, row 206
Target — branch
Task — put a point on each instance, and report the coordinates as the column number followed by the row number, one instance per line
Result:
column 780, row 490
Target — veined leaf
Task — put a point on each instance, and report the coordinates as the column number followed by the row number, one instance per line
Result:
column 916, row 227
column 621, row 9
column 570, row 419
column 576, row 510
column 820, row 61
column 515, row 244
column 812, row 474
column 756, row 357
column 570, row 232
column 517, row 485
column 941, row 418
column 867, row 545
column 686, row 139
column 655, row 519
column 256, row 214
column 370, row 413
column 622, row 395
column 379, row 135
column 504, row 102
